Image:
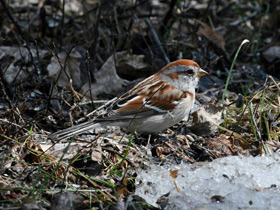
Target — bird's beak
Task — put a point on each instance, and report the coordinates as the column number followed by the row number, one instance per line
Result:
column 201, row 73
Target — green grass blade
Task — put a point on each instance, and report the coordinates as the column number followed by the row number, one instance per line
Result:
column 231, row 68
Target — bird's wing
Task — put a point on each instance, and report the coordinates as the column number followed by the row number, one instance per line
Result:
column 146, row 98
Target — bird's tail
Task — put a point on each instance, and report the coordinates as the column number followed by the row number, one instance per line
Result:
column 74, row 130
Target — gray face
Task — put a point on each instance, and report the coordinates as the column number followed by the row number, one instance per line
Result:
column 182, row 77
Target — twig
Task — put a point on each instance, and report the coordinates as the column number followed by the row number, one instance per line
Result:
column 237, row 22
column 98, row 109
column 63, row 69
column 167, row 16
column 11, row 123
column 257, row 129
column 91, row 102
column 275, row 83
column 119, row 43
column 13, row 19
column 62, row 24
column 266, row 85
column 23, row 32
column 254, row 121
column 155, row 36
column 93, row 46
column 38, row 12
column 89, row 74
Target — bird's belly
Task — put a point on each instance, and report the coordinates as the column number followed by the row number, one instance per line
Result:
column 160, row 122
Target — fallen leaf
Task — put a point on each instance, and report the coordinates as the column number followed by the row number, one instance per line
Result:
column 66, row 67
column 213, row 37
column 271, row 53
column 68, row 200
column 207, row 119
column 96, row 154
column 174, row 173
column 107, row 78
column 19, row 63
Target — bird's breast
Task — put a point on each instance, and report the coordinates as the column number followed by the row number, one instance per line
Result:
column 183, row 108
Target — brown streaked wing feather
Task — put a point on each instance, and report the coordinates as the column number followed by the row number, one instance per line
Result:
column 133, row 109
column 159, row 98
column 137, row 91
column 167, row 97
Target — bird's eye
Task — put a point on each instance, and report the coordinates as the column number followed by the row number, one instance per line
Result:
column 190, row 71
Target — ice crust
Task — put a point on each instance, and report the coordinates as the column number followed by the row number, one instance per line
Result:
column 240, row 182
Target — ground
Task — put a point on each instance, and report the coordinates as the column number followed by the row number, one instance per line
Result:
column 60, row 61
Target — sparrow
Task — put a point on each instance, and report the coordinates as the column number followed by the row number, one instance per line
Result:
column 155, row 104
